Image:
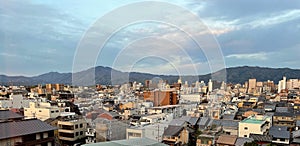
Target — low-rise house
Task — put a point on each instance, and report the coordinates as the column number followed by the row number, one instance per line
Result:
column 229, row 127
column 176, row 135
column 261, row 139
column 241, row 141
column 26, row 132
column 284, row 119
column 226, row 140
column 296, row 137
column 205, row 140
column 280, row 135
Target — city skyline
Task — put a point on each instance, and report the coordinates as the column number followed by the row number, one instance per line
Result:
column 39, row 37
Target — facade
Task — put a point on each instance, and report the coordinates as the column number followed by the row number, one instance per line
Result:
column 42, row 111
column 71, row 129
column 161, row 98
column 90, row 135
column 205, row 140
column 17, row 131
column 254, row 125
column 176, row 135
column 252, row 86
column 284, row 119
column 168, row 109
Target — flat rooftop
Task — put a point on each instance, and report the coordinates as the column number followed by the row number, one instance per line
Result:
column 254, row 120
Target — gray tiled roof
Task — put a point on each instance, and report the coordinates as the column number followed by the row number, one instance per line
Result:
column 172, row 130
column 279, row 132
column 6, row 114
column 193, row 120
column 242, row 140
column 25, row 127
column 177, row 122
column 264, row 138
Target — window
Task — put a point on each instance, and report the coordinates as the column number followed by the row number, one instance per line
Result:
column 40, row 110
column 81, row 125
column 57, row 111
column 76, row 126
column 52, row 111
column 45, row 135
column 77, row 133
column 246, row 128
column 81, row 132
column 245, row 135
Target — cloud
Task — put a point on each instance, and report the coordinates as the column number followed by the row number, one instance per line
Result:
column 254, row 56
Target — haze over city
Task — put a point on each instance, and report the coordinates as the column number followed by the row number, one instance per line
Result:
column 41, row 36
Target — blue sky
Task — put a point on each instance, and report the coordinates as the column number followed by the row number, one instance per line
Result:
column 41, row 36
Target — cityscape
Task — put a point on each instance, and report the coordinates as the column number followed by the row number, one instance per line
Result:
column 149, row 73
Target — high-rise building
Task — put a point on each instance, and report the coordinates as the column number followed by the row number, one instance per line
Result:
column 160, row 98
column 282, row 84
column 210, row 86
column 252, row 85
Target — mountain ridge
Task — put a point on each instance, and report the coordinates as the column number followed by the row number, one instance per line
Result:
column 238, row 74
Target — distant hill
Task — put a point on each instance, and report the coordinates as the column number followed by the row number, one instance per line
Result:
column 103, row 76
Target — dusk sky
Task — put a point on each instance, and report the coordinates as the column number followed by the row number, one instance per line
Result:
column 39, row 36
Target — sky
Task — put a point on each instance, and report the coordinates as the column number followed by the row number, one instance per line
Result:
column 37, row 36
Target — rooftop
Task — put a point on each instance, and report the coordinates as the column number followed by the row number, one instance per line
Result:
column 254, row 120
column 7, row 114
column 25, row 127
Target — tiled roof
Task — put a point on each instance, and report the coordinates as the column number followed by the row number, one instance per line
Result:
column 6, row 114
column 173, row 130
column 227, row 139
column 264, row 138
column 25, row 127
column 279, row 132
column 242, row 140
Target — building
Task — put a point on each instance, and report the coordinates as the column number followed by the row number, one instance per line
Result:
column 41, row 110
column 161, row 98
column 168, row 109
column 210, row 86
column 284, row 119
column 282, row 85
column 154, row 131
column 280, row 135
column 16, row 131
column 90, row 135
column 71, row 129
column 252, row 86
column 258, row 124
column 226, row 140
column 205, row 140
column 176, row 135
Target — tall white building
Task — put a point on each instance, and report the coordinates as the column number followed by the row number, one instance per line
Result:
column 282, row 84
column 210, row 86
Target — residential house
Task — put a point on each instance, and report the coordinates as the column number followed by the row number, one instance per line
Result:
column 226, row 140
column 16, row 131
column 280, row 135
column 258, row 124
column 175, row 135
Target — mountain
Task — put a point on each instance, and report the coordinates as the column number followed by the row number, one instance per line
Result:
column 106, row 75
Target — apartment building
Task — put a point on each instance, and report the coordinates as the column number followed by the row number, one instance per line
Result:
column 71, row 128
column 41, row 110
column 258, row 124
